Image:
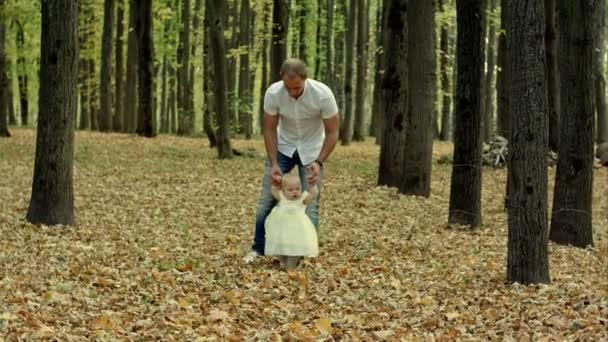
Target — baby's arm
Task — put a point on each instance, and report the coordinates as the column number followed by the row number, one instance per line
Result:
column 276, row 192
column 312, row 193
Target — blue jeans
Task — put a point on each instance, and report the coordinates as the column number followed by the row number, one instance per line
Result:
column 267, row 201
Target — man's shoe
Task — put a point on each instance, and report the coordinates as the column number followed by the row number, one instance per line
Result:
column 249, row 258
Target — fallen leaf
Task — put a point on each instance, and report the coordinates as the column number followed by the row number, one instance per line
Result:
column 324, row 325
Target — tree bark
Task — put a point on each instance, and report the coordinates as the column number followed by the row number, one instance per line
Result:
column 465, row 189
column 318, row 40
column 527, row 259
column 264, row 52
column 118, row 120
column 196, row 18
column 245, row 99
column 22, row 74
column 329, row 72
column 164, row 117
column 361, row 89
column 488, row 110
column 395, row 93
column 600, row 80
column 571, row 221
column 422, row 85
column 130, row 99
column 351, row 29
column 93, row 96
column 444, row 61
column 375, row 128
column 84, row 91
column 278, row 45
column 3, row 79
column 216, row 42
column 185, row 119
column 52, row 198
column 10, row 109
column 552, row 73
column 339, row 65
column 502, row 76
column 303, row 13
column 208, row 89
column 482, row 94
column 105, row 80
column 143, row 29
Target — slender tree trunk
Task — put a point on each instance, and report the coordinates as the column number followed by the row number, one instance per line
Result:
column 527, row 260
column 571, row 221
column 85, row 115
column 172, row 111
column 395, row 94
column 118, row 120
column 482, row 91
column 245, row 99
column 329, row 72
column 264, row 52
column 552, row 74
column 130, row 99
column 196, row 18
column 600, row 80
column 465, row 189
column 105, row 80
column 361, row 90
column 377, row 106
column 3, row 79
column 143, row 29
column 208, row 89
column 216, row 42
column 444, row 61
column 347, row 128
column 183, row 52
column 303, row 13
column 502, row 77
column 422, row 85
column 164, row 118
column 84, row 36
column 318, row 42
column 231, row 68
column 339, row 65
column 93, row 96
column 10, row 109
column 488, row 110
column 52, row 198
column 278, row 45
column 22, row 74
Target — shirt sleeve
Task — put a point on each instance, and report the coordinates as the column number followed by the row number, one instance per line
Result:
column 329, row 107
column 270, row 104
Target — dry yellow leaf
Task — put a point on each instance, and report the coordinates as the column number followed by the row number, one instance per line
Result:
column 324, row 325
column 103, row 322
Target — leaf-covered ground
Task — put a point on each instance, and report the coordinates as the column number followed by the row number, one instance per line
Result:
column 162, row 226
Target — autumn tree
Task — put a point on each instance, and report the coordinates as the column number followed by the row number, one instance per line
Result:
column 145, row 108
column 52, row 198
column 278, row 44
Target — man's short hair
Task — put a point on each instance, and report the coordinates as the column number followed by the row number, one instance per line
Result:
column 293, row 67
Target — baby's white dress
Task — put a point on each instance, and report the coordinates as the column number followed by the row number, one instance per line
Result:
column 289, row 230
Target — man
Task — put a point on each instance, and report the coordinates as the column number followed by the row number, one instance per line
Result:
column 300, row 129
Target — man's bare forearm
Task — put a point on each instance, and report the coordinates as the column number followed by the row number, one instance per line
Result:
column 271, row 141
column 331, row 139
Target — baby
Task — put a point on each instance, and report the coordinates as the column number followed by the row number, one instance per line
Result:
column 289, row 232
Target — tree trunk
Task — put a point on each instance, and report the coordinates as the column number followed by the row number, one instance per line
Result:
column 245, row 99
column 377, row 107
column 22, row 75
column 361, row 89
column 465, row 189
column 196, row 18
column 395, row 93
column 444, row 61
column 488, row 110
column 552, row 74
column 207, row 88
column 130, row 99
column 93, row 96
column 105, row 80
column 422, row 85
column 3, row 79
column 600, row 81
column 264, row 52
column 527, row 259
column 185, row 119
column 231, row 67
column 482, row 94
column 303, row 13
column 502, row 77
column 52, row 198
column 339, row 65
column 351, row 29
column 318, row 42
column 164, row 117
column 572, row 201
column 278, row 45
column 10, row 109
column 216, row 42
column 329, row 72
column 118, row 120
column 172, row 111
column 143, row 29
column 83, row 78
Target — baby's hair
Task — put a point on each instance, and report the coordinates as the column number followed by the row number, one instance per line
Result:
column 289, row 177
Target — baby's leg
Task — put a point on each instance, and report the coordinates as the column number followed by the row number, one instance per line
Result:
column 292, row 262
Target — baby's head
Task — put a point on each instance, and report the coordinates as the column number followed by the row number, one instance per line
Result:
column 291, row 186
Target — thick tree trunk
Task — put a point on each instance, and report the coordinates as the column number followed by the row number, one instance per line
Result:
column 185, row 117
column 22, row 75
column 488, row 110
column 118, row 120
column 361, row 90
column 52, row 198
column 444, row 60
column 572, row 202
column 351, row 29
column 422, row 85
column 600, row 80
column 465, row 189
column 395, row 93
column 552, row 74
column 482, row 90
column 502, row 76
column 207, row 89
column 245, row 98
column 105, row 80
column 130, row 99
column 145, row 109
column 278, row 45
column 216, row 42
column 527, row 259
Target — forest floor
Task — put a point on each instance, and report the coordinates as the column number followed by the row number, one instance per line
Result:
column 162, row 226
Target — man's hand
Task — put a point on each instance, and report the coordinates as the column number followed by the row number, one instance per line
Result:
column 313, row 170
column 276, row 175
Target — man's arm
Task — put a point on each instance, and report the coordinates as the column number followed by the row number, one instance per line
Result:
column 331, row 137
column 270, row 137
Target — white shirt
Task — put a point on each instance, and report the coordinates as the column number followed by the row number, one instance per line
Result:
column 301, row 125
